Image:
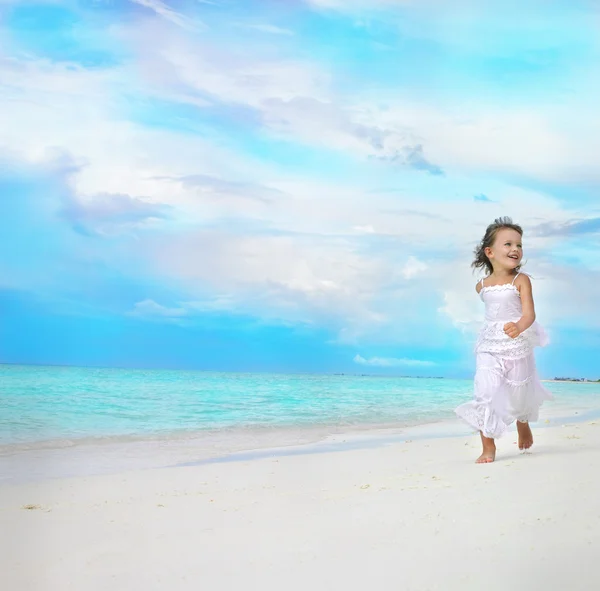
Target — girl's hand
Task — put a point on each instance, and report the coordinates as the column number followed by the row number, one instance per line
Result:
column 512, row 330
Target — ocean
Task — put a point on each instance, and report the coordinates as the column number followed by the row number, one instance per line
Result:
column 57, row 404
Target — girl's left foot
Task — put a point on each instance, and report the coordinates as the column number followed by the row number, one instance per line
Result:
column 487, row 456
column 525, row 435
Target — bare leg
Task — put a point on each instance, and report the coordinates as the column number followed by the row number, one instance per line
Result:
column 489, row 450
column 525, row 435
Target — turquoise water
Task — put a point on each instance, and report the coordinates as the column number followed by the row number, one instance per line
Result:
column 58, row 403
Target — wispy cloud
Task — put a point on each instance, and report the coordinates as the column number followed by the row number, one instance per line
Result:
column 163, row 10
column 357, row 5
column 108, row 214
column 210, row 185
column 266, row 28
column 286, row 99
column 569, row 228
column 411, row 156
column 481, row 198
column 392, row 362
column 151, row 310
column 416, row 159
column 459, row 308
column 413, row 267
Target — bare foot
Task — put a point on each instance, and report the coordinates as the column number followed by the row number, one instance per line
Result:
column 489, row 451
column 525, row 435
column 487, row 457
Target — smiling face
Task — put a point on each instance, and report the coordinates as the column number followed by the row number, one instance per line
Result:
column 506, row 252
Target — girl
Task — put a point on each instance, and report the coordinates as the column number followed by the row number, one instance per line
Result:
column 507, row 387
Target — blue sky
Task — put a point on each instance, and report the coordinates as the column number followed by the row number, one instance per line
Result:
column 292, row 186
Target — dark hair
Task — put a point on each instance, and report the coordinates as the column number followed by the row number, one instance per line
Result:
column 481, row 260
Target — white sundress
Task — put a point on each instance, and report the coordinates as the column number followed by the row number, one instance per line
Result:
column 507, row 386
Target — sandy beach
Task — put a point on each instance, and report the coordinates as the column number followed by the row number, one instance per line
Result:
column 411, row 514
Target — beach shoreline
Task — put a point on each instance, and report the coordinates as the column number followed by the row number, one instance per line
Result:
column 36, row 461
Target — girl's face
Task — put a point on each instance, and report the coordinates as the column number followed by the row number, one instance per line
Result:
column 507, row 250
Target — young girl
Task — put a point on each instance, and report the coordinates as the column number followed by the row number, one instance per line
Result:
column 507, row 387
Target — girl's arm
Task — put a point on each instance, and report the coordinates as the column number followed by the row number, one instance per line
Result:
column 528, row 318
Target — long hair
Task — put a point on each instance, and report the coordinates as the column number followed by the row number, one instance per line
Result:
column 481, row 260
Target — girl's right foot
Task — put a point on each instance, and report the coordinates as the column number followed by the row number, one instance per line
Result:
column 489, row 451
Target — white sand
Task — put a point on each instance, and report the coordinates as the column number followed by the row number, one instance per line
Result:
column 404, row 516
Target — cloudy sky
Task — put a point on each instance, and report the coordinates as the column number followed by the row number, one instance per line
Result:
column 292, row 186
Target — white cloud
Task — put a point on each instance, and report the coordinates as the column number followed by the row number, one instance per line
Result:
column 227, row 74
column 289, row 278
column 413, row 267
column 291, row 99
column 391, row 362
column 150, row 309
column 554, row 143
column 114, row 155
column 462, row 309
column 368, row 229
column 107, row 214
column 297, row 100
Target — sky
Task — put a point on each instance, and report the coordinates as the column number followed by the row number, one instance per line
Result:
column 293, row 186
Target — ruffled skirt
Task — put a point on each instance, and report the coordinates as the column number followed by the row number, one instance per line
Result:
column 493, row 339
column 506, row 390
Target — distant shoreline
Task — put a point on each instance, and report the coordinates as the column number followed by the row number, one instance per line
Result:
column 573, row 381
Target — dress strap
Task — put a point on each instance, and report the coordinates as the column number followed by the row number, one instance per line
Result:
column 515, row 277
column 482, row 281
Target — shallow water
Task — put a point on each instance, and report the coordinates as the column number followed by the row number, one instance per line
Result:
column 51, row 404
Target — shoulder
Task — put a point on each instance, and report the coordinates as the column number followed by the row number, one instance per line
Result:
column 479, row 285
column 523, row 282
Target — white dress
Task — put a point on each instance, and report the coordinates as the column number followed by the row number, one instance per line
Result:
column 507, row 386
